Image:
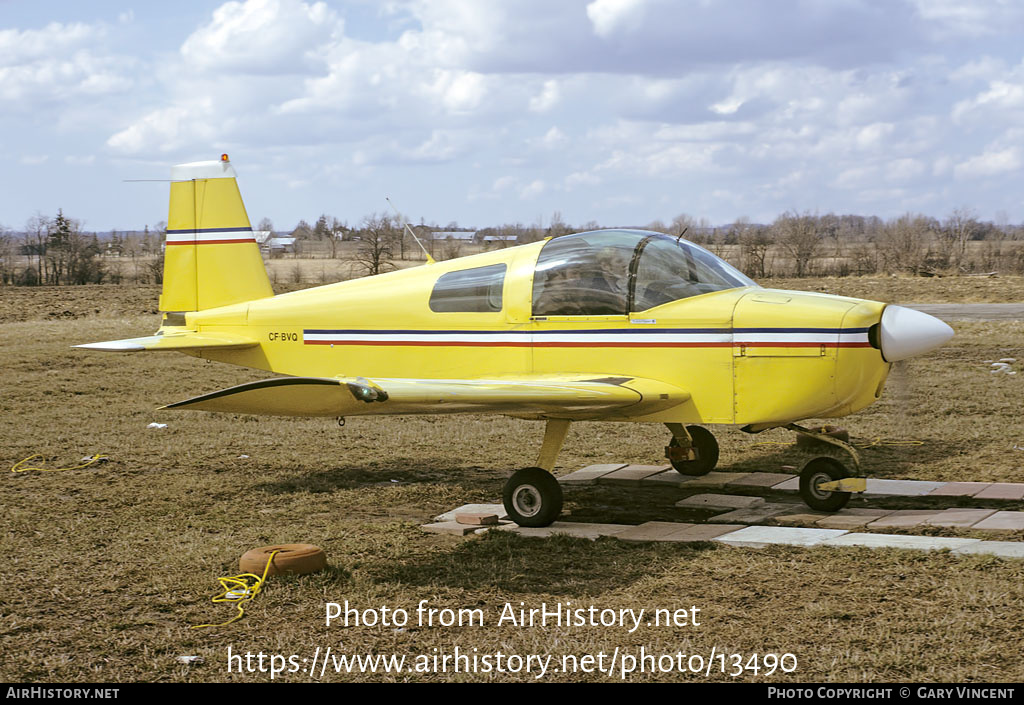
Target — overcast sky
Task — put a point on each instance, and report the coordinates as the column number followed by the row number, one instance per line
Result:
column 493, row 111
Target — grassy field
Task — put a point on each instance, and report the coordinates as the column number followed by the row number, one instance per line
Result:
column 108, row 567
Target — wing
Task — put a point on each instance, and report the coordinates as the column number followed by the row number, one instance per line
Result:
column 576, row 396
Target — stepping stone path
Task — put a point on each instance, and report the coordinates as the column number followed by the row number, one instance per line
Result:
column 793, row 524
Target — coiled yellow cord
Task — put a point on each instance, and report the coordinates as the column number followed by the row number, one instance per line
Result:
column 238, row 590
column 879, row 441
column 94, row 459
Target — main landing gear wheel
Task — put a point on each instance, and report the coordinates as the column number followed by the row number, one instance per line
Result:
column 705, row 445
column 817, row 472
column 532, row 497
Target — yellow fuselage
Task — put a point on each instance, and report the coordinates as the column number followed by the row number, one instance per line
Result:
column 746, row 356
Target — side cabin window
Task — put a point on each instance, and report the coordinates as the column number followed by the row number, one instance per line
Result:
column 469, row 290
column 583, row 276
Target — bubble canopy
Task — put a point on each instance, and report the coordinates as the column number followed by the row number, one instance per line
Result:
column 614, row 272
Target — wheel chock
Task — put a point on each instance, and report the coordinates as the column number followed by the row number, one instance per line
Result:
column 847, row 484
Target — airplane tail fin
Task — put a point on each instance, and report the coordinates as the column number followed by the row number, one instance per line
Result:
column 211, row 258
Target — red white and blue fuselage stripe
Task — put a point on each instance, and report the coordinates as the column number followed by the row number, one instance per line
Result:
column 210, row 236
column 607, row 338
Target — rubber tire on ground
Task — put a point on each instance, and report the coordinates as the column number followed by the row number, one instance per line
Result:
column 293, row 559
column 817, row 471
column 532, row 497
column 707, row 453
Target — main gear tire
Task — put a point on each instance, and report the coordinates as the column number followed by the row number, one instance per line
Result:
column 532, row 497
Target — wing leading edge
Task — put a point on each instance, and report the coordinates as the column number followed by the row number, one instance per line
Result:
column 567, row 396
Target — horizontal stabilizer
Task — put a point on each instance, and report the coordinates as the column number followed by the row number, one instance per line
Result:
column 173, row 341
column 575, row 396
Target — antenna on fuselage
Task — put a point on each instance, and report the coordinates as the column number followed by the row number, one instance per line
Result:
column 430, row 260
column 680, row 236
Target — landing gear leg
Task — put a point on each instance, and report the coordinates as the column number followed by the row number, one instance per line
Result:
column 532, row 496
column 825, row 483
column 693, row 450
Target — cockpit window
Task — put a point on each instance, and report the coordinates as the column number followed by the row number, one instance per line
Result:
column 469, row 290
column 668, row 269
column 613, row 272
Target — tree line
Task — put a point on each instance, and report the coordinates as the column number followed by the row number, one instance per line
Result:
column 54, row 251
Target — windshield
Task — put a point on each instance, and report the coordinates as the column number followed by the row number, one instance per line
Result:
column 613, row 272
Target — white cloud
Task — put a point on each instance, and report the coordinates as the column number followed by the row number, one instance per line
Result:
column 263, row 36
column 167, row 129
column 977, row 18
column 1003, row 99
column 553, row 138
column 547, row 99
column 990, row 163
column 59, row 63
column 532, row 190
column 614, row 16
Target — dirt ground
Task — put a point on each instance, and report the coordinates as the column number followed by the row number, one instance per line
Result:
column 109, row 567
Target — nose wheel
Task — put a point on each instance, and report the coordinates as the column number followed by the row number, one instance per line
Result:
column 818, row 478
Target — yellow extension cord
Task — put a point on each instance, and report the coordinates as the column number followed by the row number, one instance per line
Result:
column 877, row 441
column 237, row 590
column 17, row 466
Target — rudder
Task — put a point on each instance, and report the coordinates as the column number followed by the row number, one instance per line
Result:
column 211, row 258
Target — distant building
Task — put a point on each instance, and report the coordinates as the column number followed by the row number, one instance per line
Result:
column 279, row 245
column 464, row 236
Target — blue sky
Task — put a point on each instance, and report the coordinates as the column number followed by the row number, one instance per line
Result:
column 501, row 111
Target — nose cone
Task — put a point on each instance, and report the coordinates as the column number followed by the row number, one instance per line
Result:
column 906, row 333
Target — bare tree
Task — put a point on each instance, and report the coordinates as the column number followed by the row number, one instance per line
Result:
column 37, row 230
column 903, row 243
column 798, row 237
column 376, row 246
column 7, row 256
column 754, row 245
column 957, row 230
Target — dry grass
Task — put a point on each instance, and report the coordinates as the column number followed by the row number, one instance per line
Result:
column 109, row 566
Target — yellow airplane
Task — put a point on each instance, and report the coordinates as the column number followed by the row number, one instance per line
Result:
column 610, row 325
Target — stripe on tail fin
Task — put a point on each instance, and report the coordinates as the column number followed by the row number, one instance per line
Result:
column 211, row 258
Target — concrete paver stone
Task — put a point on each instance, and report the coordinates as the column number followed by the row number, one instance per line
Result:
column 668, row 477
column 631, row 474
column 723, row 502
column 753, row 515
column 652, row 531
column 498, row 509
column 1002, row 490
column 1002, row 521
column 716, row 479
column 704, row 532
column 761, row 479
column 590, row 473
column 779, row 535
column 577, row 529
column 450, row 527
column 962, row 518
column 905, row 518
column 903, row 488
column 959, row 489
